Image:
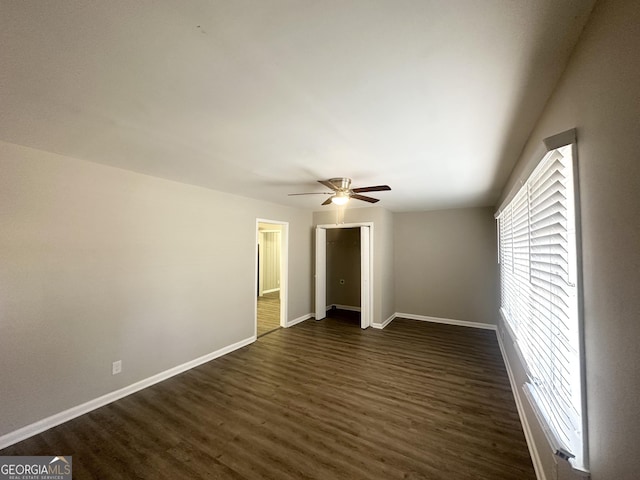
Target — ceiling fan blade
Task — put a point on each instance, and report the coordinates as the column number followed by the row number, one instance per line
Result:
column 363, row 198
column 310, row 193
column 327, row 201
column 328, row 184
column 377, row 188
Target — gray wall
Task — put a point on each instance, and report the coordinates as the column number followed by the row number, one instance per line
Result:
column 343, row 263
column 99, row 264
column 383, row 267
column 599, row 94
column 446, row 264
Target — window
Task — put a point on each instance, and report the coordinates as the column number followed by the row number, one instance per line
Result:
column 539, row 280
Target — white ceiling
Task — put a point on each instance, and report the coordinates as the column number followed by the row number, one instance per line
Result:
column 261, row 98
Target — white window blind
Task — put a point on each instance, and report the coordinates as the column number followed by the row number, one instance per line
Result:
column 539, row 296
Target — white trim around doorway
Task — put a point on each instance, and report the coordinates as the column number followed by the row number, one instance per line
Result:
column 367, row 315
column 284, row 271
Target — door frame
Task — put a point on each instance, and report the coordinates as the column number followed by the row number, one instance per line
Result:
column 366, row 284
column 284, row 270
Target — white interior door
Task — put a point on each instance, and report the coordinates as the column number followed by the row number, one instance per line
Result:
column 321, row 273
column 365, row 278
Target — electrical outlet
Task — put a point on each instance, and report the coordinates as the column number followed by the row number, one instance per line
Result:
column 116, row 367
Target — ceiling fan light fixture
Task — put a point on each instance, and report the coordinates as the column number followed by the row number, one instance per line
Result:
column 340, row 198
column 341, row 191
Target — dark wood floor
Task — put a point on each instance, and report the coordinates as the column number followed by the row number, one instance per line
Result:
column 268, row 313
column 321, row 400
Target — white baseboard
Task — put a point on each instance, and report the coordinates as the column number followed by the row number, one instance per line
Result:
column 62, row 417
column 448, row 321
column 533, row 450
column 380, row 326
column 270, row 290
column 343, row 307
column 298, row 320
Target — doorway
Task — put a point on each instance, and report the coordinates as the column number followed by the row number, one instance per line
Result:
column 271, row 275
column 343, row 274
column 366, row 270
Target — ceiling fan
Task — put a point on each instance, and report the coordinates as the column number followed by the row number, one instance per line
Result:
column 342, row 191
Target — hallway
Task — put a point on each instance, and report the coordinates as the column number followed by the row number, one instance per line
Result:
column 268, row 313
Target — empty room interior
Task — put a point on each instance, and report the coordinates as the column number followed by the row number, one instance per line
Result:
column 321, row 239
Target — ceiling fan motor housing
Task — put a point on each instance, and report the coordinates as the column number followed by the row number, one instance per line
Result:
column 343, row 184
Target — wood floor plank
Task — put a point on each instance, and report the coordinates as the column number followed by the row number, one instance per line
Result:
column 321, row 400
